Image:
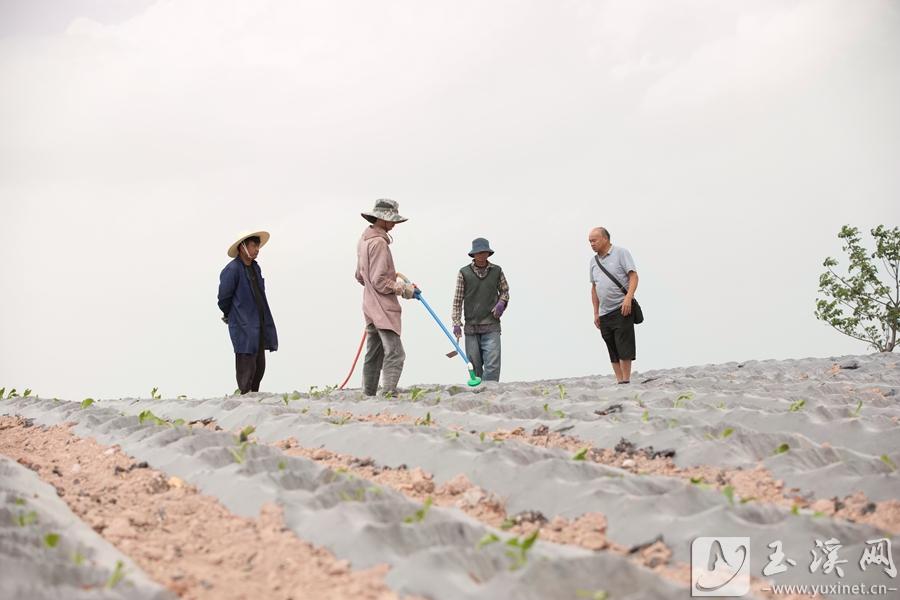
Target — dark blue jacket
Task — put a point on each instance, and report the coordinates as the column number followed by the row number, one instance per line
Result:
column 236, row 302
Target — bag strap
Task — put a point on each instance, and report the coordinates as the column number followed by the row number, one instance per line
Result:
column 608, row 274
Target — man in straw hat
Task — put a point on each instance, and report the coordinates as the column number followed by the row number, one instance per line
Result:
column 381, row 285
column 242, row 300
column 481, row 289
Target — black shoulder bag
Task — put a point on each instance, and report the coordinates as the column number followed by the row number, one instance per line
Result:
column 635, row 307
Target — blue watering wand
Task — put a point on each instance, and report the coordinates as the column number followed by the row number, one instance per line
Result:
column 474, row 380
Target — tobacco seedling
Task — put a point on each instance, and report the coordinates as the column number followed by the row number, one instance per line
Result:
column 682, row 398
column 546, row 407
column 147, row 415
column 507, row 524
column 117, row 576
column 646, row 416
column 721, row 405
column 87, row 402
column 26, row 393
column 782, row 449
column 245, row 433
column 856, row 412
column 51, row 540
column 887, row 460
column 481, row 436
column 562, row 391
column 427, row 421
column 342, row 421
column 155, row 395
column 282, row 465
column 296, row 395
column 2, row 391
column 452, row 435
column 12, row 394
column 581, row 454
column 797, row 406
column 795, row 509
column 489, row 538
column 78, row 558
column 26, row 519
column 415, row 394
column 559, row 413
column 419, row 515
column 726, row 433
column 519, row 549
column 285, row 398
column 182, row 396
column 729, row 493
column 592, row 595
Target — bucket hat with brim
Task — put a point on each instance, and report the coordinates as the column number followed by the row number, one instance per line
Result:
column 386, row 210
column 480, row 245
column 262, row 235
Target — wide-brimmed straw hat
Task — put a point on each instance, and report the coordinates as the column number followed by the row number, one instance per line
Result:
column 480, row 245
column 262, row 235
column 386, row 210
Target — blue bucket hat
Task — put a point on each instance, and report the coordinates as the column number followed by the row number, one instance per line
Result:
column 480, row 245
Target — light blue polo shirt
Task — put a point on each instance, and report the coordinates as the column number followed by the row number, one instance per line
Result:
column 619, row 263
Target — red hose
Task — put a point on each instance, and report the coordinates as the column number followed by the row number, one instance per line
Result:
column 358, row 352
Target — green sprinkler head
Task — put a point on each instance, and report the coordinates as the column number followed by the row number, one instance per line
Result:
column 474, row 380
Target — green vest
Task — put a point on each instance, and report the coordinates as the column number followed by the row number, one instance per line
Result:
column 481, row 296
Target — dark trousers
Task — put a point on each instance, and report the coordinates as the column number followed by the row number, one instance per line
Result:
column 250, row 369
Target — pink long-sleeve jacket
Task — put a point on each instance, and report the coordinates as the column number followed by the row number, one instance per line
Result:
column 376, row 273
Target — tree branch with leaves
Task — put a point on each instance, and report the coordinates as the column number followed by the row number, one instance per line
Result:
column 864, row 303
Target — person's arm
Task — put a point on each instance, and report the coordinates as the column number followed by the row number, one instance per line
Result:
column 227, row 285
column 503, row 288
column 382, row 276
column 629, row 296
column 458, row 295
column 596, row 302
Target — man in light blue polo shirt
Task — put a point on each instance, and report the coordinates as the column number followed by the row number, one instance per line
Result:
column 612, row 304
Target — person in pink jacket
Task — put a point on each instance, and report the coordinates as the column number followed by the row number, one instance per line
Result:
column 381, row 285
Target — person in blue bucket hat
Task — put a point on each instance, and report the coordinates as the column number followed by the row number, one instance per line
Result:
column 482, row 293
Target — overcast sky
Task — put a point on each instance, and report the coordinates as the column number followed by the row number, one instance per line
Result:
column 723, row 143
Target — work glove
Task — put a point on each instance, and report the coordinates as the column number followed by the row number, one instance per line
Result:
column 405, row 289
column 225, row 319
column 498, row 309
column 457, row 331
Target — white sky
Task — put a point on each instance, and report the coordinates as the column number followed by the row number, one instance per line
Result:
column 723, row 143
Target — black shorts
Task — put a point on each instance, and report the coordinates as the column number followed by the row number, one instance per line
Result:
column 618, row 333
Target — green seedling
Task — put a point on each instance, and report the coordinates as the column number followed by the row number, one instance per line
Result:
column 546, row 407
column 507, row 524
column 721, row 405
column 887, row 460
column 2, row 391
column 26, row 519
column 795, row 509
column 488, row 539
column 282, row 465
column 797, row 406
column 481, row 436
column 682, row 399
column 236, row 392
column 559, row 413
column 419, row 515
column 147, row 415
column 729, row 493
column 285, row 398
column 427, row 421
column 328, row 412
column 155, row 395
column 238, row 452
column 117, row 576
column 12, row 394
column 646, row 416
column 78, row 558
column 452, row 435
column 26, row 393
column 673, row 423
column 856, row 412
column 19, row 502
column 245, row 433
column 358, row 495
column 592, row 595
column 51, row 540
column 562, row 391
column 87, row 402
column 818, row 514
column 782, row 449
column 747, row 499
column 342, row 421
column 182, row 396
column 726, row 433
column 304, row 410
column 519, row 550
column 581, row 454
column 416, row 393
column 178, row 422
column 296, row 395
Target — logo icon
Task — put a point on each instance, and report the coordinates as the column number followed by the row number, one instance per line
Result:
column 720, row 566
